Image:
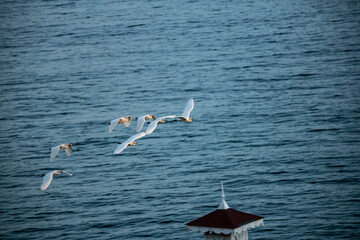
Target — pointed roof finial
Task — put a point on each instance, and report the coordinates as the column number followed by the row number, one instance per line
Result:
column 223, row 204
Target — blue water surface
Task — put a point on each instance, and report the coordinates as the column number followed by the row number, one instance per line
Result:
column 276, row 86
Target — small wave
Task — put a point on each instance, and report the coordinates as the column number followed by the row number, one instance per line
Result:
column 279, row 172
column 103, row 225
column 324, row 129
column 135, row 25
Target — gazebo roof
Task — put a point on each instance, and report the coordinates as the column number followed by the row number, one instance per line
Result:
column 225, row 218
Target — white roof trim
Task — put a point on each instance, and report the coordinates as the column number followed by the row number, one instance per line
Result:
column 227, row 230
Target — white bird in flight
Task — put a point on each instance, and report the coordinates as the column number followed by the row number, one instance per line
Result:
column 126, row 120
column 49, row 177
column 130, row 141
column 141, row 120
column 185, row 116
column 55, row 150
column 154, row 123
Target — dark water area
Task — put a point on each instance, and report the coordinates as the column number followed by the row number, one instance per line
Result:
column 276, row 86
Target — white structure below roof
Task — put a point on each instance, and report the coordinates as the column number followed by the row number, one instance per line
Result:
column 209, row 236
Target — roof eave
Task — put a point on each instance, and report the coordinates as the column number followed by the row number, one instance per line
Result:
column 240, row 229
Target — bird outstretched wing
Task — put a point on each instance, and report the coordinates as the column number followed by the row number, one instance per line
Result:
column 121, row 147
column 47, row 180
column 152, row 126
column 188, row 108
column 170, row 116
column 54, row 152
column 136, row 136
column 66, row 173
column 140, row 123
column 113, row 124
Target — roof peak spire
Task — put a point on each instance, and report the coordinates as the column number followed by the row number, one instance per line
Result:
column 223, row 204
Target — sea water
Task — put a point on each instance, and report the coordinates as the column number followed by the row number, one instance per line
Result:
column 276, row 117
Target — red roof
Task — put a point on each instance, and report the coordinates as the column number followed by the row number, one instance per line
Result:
column 224, row 218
